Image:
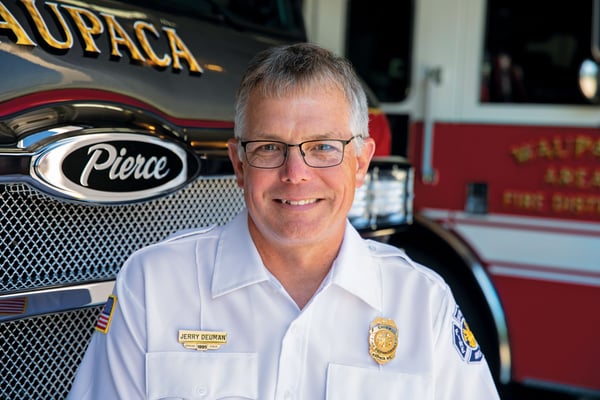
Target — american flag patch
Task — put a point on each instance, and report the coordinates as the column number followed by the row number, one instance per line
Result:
column 13, row 306
column 106, row 315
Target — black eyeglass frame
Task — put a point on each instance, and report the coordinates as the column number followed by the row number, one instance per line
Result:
column 344, row 143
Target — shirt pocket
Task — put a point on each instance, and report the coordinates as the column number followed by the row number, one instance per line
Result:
column 194, row 375
column 348, row 382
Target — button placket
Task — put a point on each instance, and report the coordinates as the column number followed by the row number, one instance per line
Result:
column 291, row 360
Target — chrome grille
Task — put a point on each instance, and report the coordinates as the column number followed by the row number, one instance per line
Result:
column 46, row 242
column 40, row 355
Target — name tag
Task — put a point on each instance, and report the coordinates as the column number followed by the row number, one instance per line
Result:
column 202, row 340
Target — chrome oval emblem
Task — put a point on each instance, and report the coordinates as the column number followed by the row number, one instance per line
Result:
column 114, row 167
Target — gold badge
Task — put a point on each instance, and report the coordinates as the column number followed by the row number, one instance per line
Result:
column 202, row 340
column 383, row 340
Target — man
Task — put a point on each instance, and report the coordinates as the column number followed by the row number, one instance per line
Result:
column 287, row 301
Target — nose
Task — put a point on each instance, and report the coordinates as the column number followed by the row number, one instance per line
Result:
column 294, row 168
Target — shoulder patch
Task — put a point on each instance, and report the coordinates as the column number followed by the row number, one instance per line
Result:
column 106, row 315
column 464, row 340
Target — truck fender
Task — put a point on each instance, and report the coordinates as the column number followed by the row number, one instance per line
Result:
column 428, row 243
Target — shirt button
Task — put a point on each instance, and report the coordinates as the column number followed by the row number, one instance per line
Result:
column 289, row 395
column 201, row 391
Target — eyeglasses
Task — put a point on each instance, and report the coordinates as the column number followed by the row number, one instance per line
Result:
column 321, row 153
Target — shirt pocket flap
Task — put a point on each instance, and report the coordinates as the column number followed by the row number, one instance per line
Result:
column 348, row 382
column 194, row 375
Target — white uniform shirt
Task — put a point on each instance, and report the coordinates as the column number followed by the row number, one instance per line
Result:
column 214, row 280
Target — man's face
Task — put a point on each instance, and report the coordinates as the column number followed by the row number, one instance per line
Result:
column 295, row 204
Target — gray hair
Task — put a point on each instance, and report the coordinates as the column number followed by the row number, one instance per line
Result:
column 283, row 70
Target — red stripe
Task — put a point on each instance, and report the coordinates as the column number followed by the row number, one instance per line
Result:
column 102, row 322
column 63, row 95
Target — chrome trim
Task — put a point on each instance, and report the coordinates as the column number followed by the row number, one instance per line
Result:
column 59, row 299
column 380, row 233
column 47, row 166
column 386, row 195
column 35, row 138
column 596, row 30
column 432, row 78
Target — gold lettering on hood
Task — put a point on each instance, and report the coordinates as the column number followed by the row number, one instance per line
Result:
column 90, row 28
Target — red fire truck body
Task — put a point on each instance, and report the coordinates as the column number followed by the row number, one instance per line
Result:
column 496, row 105
column 537, row 241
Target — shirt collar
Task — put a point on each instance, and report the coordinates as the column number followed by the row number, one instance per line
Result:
column 355, row 270
column 238, row 263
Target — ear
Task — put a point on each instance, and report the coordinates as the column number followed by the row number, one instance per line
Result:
column 238, row 166
column 363, row 159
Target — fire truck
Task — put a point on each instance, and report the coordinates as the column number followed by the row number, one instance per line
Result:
column 114, row 118
column 496, row 104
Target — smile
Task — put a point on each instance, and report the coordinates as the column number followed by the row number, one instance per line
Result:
column 299, row 202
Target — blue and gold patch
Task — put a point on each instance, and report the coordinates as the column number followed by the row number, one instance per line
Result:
column 464, row 340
